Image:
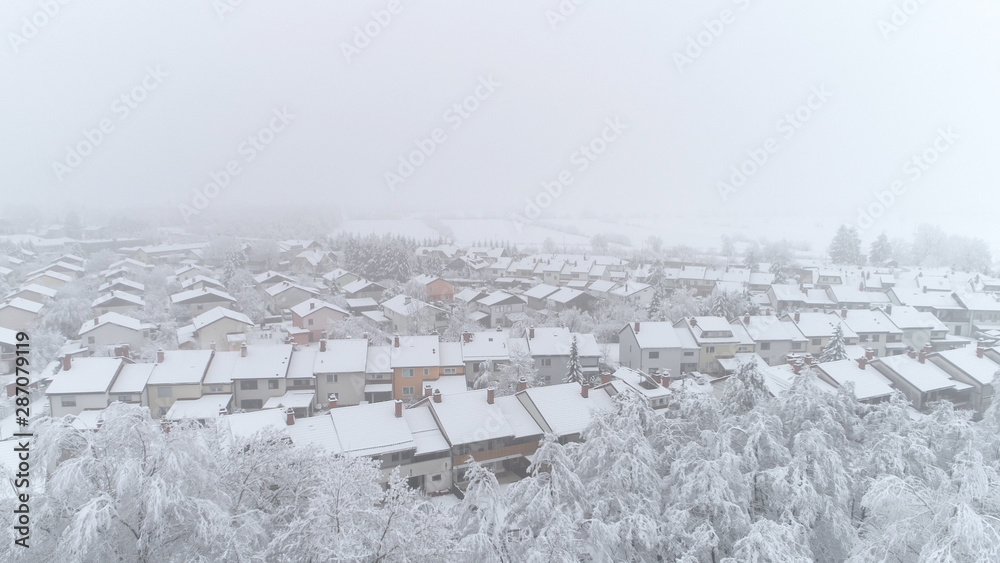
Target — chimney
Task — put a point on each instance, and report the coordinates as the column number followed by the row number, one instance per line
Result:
column 160, row 356
column 322, row 345
column 312, row 305
column 490, row 395
column 843, row 313
column 911, row 353
column 333, row 400
column 407, row 300
column 888, row 309
column 861, row 286
column 605, row 378
column 862, row 362
column 869, row 355
column 797, row 367
column 212, row 345
column 746, row 319
column 980, row 349
column 531, row 332
column 428, row 391
column 796, row 316
column 522, row 384
column 395, row 341
column 656, row 378
column 694, row 321
column 665, row 380
column 67, row 363
column 289, row 417
column 223, row 411
column 922, row 356
column 97, row 321
column 585, row 390
column 399, row 408
column 243, row 350
column 437, row 395
column 466, row 337
column 807, row 359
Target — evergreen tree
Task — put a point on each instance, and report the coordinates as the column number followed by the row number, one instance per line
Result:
column 881, row 250
column 751, row 262
column 836, row 348
column 846, row 247
column 575, row 371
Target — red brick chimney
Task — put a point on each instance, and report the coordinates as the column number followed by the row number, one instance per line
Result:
column 289, row 417
column 67, row 362
column 466, row 337
column 333, row 399
column 490, row 395
column 160, row 356
column 399, row 408
column 437, row 395
column 911, row 353
column 322, row 345
column 585, row 390
column 395, row 341
column 605, row 378
column 862, row 362
column 243, row 350
column 869, row 355
column 635, row 327
column 428, row 390
column 797, row 367
column 522, row 384
column 531, row 332
column 312, row 305
column 922, row 356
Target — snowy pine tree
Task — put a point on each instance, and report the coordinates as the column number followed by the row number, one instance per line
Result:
column 836, row 349
column 574, row 372
column 880, row 251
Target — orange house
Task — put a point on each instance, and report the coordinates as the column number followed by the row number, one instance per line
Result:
column 419, row 359
column 438, row 289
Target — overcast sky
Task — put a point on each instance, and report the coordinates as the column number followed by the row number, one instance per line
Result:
column 353, row 106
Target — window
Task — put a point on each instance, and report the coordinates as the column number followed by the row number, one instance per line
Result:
column 408, row 391
column 863, row 337
column 765, row 345
column 272, row 384
column 689, row 354
column 407, row 372
column 215, row 389
column 301, row 383
column 546, row 362
column 248, row 384
column 427, row 371
column 309, row 322
column 710, row 349
column 450, row 371
column 250, row 404
column 125, row 398
column 436, row 478
column 654, row 355
column 796, row 345
column 164, row 392
column 90, row 340
column 331, row 378
column 876, row 337
column 69, row 401
column 817, row 341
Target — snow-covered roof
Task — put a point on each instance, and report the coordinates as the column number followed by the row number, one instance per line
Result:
column 655, row 334
column 557, row 341
column 35, row 288
column 292, row 400
column 123, row 282
column 404, row 305
column 23, row 304
column 868, row 382
column 486, row 345
column 132, row 379
column 86, row 375
column 821, row 325
column 362, row 302
column 499, row 298
column 204, row 407
column 313, row 305
column 342, row 355
column 245, row 424
column 451, row 354
column 629, row 289
column 118, row 295
column 978, row 301
column 467, row 417
column 450, row 384
column 217, row 314
column 181, row 367
column 924, row 376
column 562, row 408
column 206, row 280
column 115, row 319
column 770, row 328
column 335, row 274
column 302, row 362
column 424, row 429
column 279, row 288
column 270, row 276
column 907, row 317
column 359, row 285
column 203, row 294
column 518, row 417
column 263, row 361
column 379, row 359
column 416, row 351
column 641, row 383
column 983, row 370
column 540, row 291
column 371, row 429
column 873, row 321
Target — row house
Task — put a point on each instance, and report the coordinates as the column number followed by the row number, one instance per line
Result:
column 922, row 382
column 364, row 288
column 870, row 386
column 19, row 313
column 715, row 339
column 201, row 282
column 850, row 297
column 875, row 331
column 198, row 301
column 409, row 315
column 436, row 289
column 818, row 328
column 972, row 366
column 658, row 347
column 341, row 369
column 268, row 278
column 189, row 271
column 339, row 277
column 285, row 295
column 921, row 328
column 493, row 346
column 775, row 338
column 218, row 329
column 941, row 304
column 416, row 360
column 114, row 329
column 499, row 305
column 550, row 350
column 314, row 315
column 50, row 279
